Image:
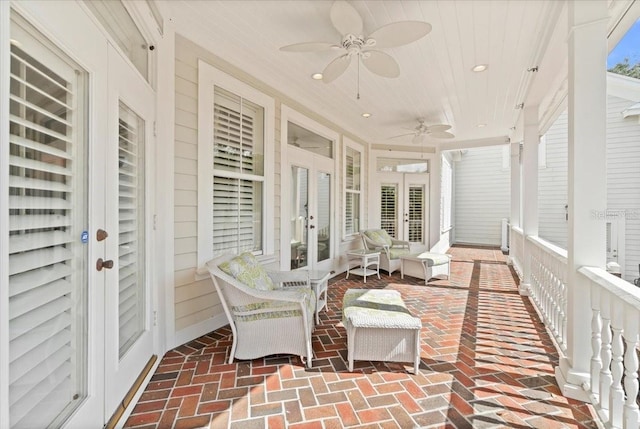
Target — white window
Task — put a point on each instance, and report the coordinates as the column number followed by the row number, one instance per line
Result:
column 235, row 173
column 352, row 187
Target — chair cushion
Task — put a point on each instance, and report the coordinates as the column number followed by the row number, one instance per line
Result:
column 396, row 252
column 378, row 236
column 246, row 268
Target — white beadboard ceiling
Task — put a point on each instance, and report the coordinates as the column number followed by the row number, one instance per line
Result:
column 436, row 81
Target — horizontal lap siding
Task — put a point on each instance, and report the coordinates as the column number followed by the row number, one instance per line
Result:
column 482, row 196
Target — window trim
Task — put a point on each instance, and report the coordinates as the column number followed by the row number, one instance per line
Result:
column 348, row 143
column 208, row 78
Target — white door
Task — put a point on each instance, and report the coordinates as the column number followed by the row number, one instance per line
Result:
column 310, row 209
column 128, row 335
column 403, row 206
column 74, row 343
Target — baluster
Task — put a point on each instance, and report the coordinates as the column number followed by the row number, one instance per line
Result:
column 631, row 367
column 605, row 351
column 616, row 399
column 596, row 341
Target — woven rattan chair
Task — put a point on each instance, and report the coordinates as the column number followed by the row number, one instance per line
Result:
column 269, row 312
column 390, row 248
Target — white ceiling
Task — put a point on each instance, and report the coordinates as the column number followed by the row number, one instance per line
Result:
column 436, row 81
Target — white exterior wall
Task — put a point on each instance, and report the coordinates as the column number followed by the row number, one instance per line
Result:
column 553, row 185
column 623, row 180
column 481, row 196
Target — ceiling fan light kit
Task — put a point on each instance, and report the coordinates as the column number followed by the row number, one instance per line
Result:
column 346, row 19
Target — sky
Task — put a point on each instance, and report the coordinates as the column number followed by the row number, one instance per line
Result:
column 628, row 47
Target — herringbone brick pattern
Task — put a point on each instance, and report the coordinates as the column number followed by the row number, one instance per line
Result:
column 486, row 361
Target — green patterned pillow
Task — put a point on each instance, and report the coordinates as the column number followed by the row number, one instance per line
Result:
column 246, row 268
column 378, row 236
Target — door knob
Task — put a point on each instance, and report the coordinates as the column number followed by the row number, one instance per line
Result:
column 311, row 226
column 101, row 234
column 107, row 265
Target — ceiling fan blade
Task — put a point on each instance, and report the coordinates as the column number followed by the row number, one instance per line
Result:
column 401, row 135
column 438, row 127
column 418, row 139
column 346, row 19
column 309, row 47
column 442, row 135
column 400, row 33
column 381, row 64
column 336, row 68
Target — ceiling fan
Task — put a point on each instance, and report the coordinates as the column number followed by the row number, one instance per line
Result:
column 348, row 22
column 422, row 130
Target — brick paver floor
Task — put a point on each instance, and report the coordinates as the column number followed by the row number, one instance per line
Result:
column 486, row 361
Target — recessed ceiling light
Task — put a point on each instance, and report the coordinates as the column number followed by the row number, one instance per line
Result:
column 479, row 68
column 366, row 115
column 481, row 125
column 316, row 76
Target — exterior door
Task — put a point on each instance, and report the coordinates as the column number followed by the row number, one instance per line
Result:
column 403, row 206
column 79, row 122
column 311, row 226
column 128, row 335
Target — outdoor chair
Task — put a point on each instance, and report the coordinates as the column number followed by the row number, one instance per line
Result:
column 269, row 312
column 390, row 248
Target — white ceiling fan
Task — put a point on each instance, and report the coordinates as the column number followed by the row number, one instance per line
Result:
column 348, row 22
column 422, row 130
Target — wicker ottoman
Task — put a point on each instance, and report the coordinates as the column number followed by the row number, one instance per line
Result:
column 380, row 327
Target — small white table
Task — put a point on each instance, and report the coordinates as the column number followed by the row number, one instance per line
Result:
column 364, row 258
column 320, row 283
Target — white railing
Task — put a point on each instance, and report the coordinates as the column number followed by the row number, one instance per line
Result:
column 615, row 324
column 548, row 286
column 516, row 249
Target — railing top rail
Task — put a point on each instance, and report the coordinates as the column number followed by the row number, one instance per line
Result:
column 556, row 251
column 620, row 288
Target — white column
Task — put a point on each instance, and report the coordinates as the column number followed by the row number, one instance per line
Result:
column 435, row 188
column 529, row 189
column 587, row 180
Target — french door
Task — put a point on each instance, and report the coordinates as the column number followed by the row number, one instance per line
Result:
column 403, row 206
column 79, row 303
column 310, row 208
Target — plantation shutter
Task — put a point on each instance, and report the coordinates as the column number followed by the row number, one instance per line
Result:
column 389, row 209
column 131, row 267
column 47, row 261
column 416, row 213
column 238, row 173
column 352, row 192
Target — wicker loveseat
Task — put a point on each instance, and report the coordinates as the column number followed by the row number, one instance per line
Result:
column 269, row 312
column 390, row 248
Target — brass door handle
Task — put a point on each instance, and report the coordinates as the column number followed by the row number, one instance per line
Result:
column 107, row 265
column 101, row 234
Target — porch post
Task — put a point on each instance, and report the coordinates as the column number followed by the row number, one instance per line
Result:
column 587, row 181
column 529, row 190
column 515, row 184
column 435, row 183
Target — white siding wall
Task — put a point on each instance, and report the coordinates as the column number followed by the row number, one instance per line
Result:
column 623, row 180
column 197, row 306
column 482, row 196
column 553, row 185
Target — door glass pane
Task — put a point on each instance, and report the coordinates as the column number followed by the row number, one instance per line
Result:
column 416, row 213
column 389, row 209
column 47, row 215
column 324, row 216
column 131, row 239
column 299, row 216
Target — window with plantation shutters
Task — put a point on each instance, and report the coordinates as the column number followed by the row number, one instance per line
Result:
column 352, row 189
column 47, row 214
column 416, row 213
column 389, row 209
column 131, row 238
column 236, row 126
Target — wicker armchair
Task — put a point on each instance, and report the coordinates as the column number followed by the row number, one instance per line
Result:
column 269, row 312
column 390, row 248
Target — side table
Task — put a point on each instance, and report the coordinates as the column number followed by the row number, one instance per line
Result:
column 320, row 283
column 364, row 258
